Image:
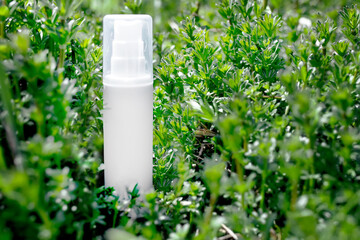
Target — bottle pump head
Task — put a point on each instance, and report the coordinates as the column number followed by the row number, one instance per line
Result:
column 127, row 48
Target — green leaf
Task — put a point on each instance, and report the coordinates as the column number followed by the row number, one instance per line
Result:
column 4, row 12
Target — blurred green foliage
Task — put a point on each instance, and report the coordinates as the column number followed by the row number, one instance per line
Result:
column 256, row 121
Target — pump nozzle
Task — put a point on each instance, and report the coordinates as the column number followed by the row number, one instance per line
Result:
column 128, row 49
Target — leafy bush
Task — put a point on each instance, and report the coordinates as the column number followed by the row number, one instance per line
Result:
column 256, row 122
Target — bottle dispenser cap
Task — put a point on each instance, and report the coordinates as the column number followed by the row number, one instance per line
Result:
column 127, row 50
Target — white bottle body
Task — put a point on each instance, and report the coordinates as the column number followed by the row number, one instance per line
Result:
column 128, row 136
column 128, row 102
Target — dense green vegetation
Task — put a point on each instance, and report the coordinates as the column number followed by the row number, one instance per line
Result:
column 256, row 121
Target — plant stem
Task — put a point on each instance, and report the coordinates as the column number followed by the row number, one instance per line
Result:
column 115, row 214
column 196, row 12
column 8, row 121
column 263, row 181
column 2, row 31
column 265, row 4
column 293, row 195
column 312, row 162
column 61, row 63
column 240, row 173
column 209, row 211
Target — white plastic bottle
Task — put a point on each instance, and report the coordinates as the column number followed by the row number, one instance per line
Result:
column 128, row 102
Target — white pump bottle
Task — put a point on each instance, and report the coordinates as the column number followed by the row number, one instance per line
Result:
column 128, row 102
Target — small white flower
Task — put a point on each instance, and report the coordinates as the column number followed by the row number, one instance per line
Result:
column 101, row 167
column 304, row 23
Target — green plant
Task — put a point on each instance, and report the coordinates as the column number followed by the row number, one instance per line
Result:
column 256, row 122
